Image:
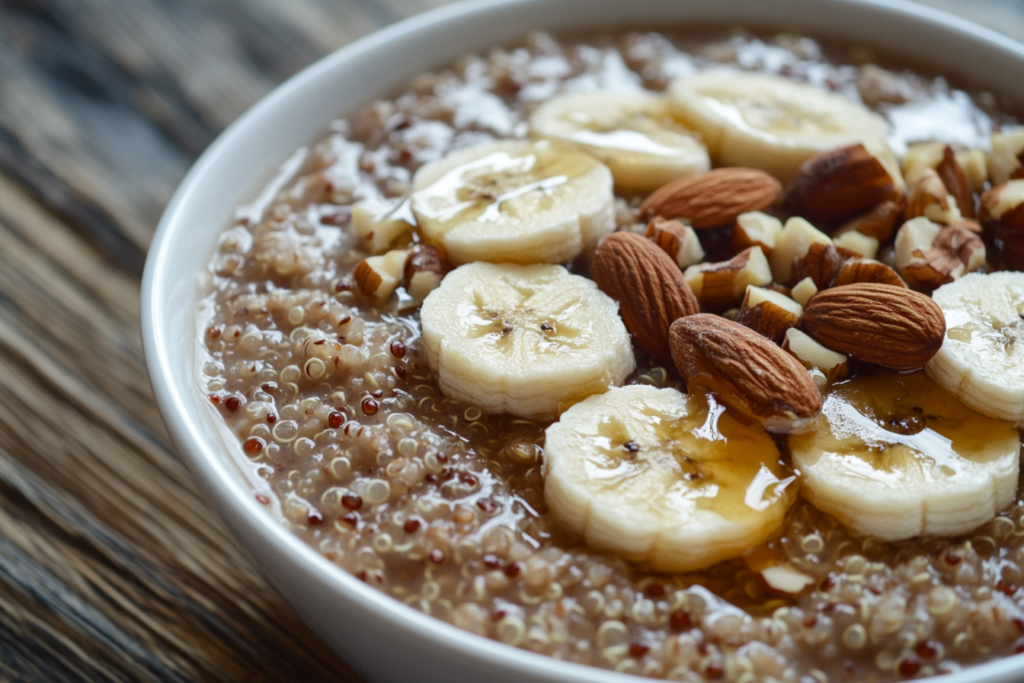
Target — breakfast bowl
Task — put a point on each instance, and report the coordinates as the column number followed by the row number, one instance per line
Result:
column 380, row 637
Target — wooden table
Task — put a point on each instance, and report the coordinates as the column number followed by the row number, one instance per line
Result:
column 111, row 566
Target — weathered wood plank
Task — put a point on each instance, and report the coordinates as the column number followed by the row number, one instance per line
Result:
column 108, row 552
column 111, row 566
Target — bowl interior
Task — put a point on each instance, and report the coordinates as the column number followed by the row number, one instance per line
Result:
column 241, row 161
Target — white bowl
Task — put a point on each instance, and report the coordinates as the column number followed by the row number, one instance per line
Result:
column 379, row 637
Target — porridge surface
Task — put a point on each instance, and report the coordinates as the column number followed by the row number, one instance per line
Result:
column 441, row 506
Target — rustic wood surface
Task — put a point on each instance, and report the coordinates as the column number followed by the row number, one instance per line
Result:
column 111, row 566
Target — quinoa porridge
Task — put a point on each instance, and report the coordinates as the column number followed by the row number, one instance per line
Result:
column 321, row 371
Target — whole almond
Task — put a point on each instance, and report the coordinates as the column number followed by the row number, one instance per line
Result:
column 838, row 184
column 649, row 287
column 714, row 198
column 744, row 371
column 883, row 324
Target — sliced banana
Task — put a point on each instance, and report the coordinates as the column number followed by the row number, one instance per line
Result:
column 664, row 478
column 770, row 122
column 897, row 456
column 526, row 340
column 982, row 356
column 630, row 132
column 514, row 201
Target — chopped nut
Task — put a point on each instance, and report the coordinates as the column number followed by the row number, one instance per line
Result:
column 378, row 276
column 424, row 271
column 803, row 291
column 955, row 180
column 860, row 244
column 820, row 263
column 929, row 198
column 1002, row 210
column 831, row 366
column 866, row 270
column 786, row 579
column 677, row 240
column 929, row 255
column 1003, row 201
column 756, row 229
column 794, row 242
column 1004, row 161
column 975, row 165
column 920, row 157
column 880, row 222
column 972, row 225
column 769, row 313
column 378, row 224
column 721, row 285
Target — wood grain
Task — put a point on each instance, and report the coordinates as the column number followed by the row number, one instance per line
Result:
column 112, row 568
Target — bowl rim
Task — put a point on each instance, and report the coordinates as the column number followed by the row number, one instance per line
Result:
column 211, row 468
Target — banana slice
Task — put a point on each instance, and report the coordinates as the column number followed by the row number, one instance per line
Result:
column 982, row 356
column 526, row 340
column 514, row 201
column 664, row 478
column 632, row 133
column 770, row 122
column 897, row 456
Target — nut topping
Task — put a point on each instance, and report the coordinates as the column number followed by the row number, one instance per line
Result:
column 1002, row 210
column 677, row 240
column 794, row 243
column 378, row 276
column 424, row 271
column 744, row 371
column 890, row 326
column 956, row 182
column 856, row 243
column 714, row 198
column 769, row 313
column 929, row 255
column 379, row 224
column 820, row 263
column 866, row 270
column 825, row 366
column 880, row 222
column 756, row 229
column 648, row 286
column 929, row 198
column 838, row 184
column 1004, row 162
column 803, row 291
column 721, row 285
